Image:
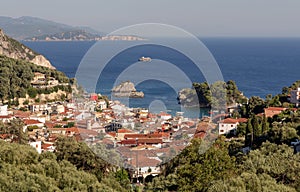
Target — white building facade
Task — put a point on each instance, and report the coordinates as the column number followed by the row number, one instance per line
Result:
column 295, row 96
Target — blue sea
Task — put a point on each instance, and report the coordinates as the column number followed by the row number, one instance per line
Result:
column 259, row 66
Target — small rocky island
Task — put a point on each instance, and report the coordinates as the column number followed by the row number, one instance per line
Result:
column 126, row 89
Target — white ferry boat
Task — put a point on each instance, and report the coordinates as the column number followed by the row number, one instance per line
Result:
column 145, row 59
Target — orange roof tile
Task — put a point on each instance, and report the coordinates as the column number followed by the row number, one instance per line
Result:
column 124, row 131
column 31, row 122
column 233, row 121
column 133, row 136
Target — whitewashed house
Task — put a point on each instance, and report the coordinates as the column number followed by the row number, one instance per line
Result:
column 229, row 125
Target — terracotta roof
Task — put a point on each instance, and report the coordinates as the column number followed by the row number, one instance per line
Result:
column 5, row 117
column 233, row 121
column 49, row 124
column 164, row 114
column 21, row 114
column 5, row 136
column 142, row 161
column 45, row 146
column 31, row 122
column 149, row 141
column 276, row 108
column 141, row 141
column 271, row 111
column 113, row 134
column 124, row 131
column 150, row 135
column 128, row 142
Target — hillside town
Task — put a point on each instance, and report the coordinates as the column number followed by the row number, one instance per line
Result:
column 142, row 140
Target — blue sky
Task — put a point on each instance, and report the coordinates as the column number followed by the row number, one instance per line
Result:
column 201, row 17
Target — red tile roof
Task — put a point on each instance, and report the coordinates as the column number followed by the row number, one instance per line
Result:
column 124, row 131
column 134, row 136
column 5, row 136
column 31, row 122
column 49, row 124
column 275, row 108
column 149, row 141
column 113, row 134
column 271, row 111
column 45, row 146
column 21, row 114
column 234, row 121
column 142, row 161
column 128, row 142
column 5, row 117
column 141, row 141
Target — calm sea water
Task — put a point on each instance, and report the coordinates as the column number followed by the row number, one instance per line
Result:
column 259, row 66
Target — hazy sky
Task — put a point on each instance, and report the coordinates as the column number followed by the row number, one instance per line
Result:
column 200, row 17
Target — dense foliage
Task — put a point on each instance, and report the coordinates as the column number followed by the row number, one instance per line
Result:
column 193, row 171
column 16, row 76
column 271, row 167
column 208, row 94
column 23, row 169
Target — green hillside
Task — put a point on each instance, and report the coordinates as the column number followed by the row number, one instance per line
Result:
column 16, row 77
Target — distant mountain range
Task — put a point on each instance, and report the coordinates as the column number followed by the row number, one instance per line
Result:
column 81, row 35
column 31, row 27
column 76, row 35
column 37, row 29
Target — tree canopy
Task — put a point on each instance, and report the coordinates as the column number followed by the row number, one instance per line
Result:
column 23, row 169
column 16, row 76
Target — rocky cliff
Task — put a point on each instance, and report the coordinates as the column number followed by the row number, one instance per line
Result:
column 14, row 49
column 126, row 89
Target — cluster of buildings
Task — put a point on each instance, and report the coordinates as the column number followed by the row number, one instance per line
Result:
column 136, row 138
column 229, row 125
column 41, row 80
column 142, row 140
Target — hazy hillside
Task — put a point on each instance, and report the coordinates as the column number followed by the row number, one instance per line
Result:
column 26, row 27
